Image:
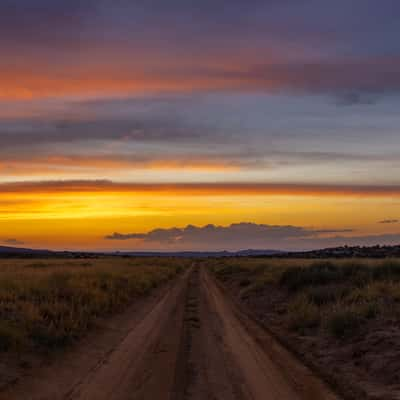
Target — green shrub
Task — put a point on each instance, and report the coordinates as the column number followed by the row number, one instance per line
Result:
column 303, row 315
column 11, row 337
column 357, row 274
column 320, row 273
column 370, row 310
column 389, row 270
column 344, row 323
column 224, row 272
column 321, row 295
column 326, row 272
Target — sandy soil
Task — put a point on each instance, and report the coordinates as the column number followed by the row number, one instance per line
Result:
column 188, row 341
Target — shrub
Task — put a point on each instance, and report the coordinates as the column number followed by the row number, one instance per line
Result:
column 370, row 310
column 326, row 272
column 224, row 272
column 320, row 273
column 11, row 338
column 244, row 282
column 389, row 270
column 256, row 286
column 357, row 274
column 344, row 323
column 321, row 295
column 303, row 315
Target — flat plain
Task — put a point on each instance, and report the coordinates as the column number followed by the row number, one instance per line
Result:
column 214, row 328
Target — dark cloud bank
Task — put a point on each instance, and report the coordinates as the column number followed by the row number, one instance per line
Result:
column 250, row 235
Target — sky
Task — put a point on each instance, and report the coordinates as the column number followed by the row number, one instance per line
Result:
column 153, row 125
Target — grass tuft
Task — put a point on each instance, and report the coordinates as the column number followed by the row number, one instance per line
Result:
column 303, row 315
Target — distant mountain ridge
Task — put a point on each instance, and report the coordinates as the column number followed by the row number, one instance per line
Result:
column 222, row 253
column 4, row 250
column 378, row 251
column 335, row 252
column 16, row 251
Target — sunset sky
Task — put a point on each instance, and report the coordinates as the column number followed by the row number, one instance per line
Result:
column 172, row 125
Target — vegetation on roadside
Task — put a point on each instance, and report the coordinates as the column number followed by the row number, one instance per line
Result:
column 46, row 304
column 334, row 297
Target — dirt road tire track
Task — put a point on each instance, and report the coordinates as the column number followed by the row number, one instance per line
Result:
column 268, row 370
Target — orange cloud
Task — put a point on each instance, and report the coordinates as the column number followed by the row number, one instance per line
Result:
column 379, row 74
column 60, row 165
column 24, row 85
column 201, row 189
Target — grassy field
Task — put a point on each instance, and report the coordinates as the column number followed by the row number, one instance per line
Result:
column 48, row 303
column 336, row 296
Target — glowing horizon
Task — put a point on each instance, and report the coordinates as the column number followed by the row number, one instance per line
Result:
column 79, row 215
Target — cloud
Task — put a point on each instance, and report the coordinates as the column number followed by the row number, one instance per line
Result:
column 234, row 236
column 203, row 125
column 145, row 119
column 200, row 189
column 129, row 236
column 389, row 221
column 358, row 81
column 357, row 98
column 250, row 235
column 13, row 242
column 259, row 135
column 198, row 161
column 363, row 76
column 119, row 47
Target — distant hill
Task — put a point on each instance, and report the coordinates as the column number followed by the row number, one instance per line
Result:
column 335, row 252
column 377, row 251
column 6, row 251
column 14, row 251
column 199, row 254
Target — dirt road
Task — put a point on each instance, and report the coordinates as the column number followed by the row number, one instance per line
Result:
column 187, row 342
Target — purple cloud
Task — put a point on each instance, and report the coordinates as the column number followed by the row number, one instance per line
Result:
column 235, row 236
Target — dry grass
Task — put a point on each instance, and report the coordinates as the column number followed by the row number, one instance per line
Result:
column 48, row 303
column 336, row 297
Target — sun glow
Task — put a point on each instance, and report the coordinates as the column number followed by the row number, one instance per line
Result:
column 82, row 216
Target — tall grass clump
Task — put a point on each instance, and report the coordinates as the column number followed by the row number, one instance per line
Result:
column 303, row 315
column 320, row 273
